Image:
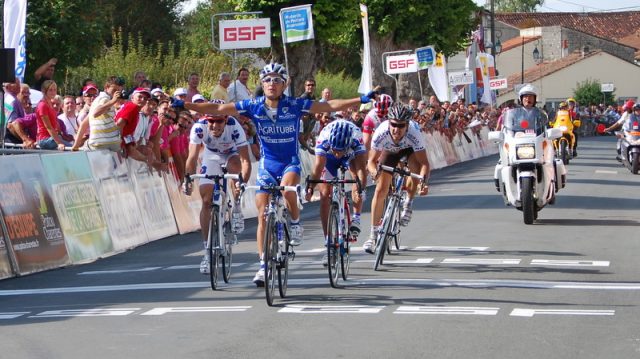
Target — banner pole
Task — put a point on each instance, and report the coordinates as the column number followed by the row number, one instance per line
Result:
column 290, row 88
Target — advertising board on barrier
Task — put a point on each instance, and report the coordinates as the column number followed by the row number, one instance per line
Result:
column 76, row 202
column 32, row 223
column 245, row 34
column 186, row 209
column 119, row 203
column 5, row 262
column 153, row 199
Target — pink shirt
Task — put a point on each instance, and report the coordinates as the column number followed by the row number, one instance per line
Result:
column 44, row 109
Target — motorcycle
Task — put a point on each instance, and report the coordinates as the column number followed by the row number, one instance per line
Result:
column 565, row 144
column 528, row 175
column 630, row 150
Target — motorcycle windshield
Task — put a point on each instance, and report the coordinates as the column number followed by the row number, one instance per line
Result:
column 521, row 120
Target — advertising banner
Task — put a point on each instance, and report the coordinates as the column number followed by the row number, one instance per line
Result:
column 366, row 76
column 76, row 202
column 400, row 64
column 186, row 209
column 438, row 77
column 498, row 83
column 460, row 78
column 119, row 202
column 153, row 199
column 5, row 262
column 296, row 23
column 426, row 57
column 15, row 16
column 32, row 223
column 245, row 34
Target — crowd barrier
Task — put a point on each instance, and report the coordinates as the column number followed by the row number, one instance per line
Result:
column 59, row 209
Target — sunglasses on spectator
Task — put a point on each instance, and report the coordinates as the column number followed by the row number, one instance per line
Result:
column 397, row 124
column 310, row 85
column 275, row 80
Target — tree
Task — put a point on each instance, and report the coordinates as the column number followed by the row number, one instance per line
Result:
column 517, row 5
column 588, row 93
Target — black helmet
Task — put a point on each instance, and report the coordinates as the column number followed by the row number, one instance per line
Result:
column 400, row 113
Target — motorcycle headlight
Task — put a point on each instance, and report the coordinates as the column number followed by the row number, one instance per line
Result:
column 526, row 152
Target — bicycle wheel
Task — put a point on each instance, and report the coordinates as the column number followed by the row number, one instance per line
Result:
column 396, row 230
column 345, row 256
column 383, row 235
column 333, row 246
column 227, row 258
column 283, row 267
column 214, row 243
column 269, row 253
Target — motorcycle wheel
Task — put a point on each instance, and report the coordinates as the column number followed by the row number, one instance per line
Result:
column 528, row 205
column 564, row 152
column 635, row 163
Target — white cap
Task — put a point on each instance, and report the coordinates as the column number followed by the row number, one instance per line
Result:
column 198, row 97
column 156, row 91
column 180, row 91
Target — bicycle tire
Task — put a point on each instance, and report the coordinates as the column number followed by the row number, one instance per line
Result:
column 214, row 242
column 345, row 247
column 227, row 258
column 396, row 231
column 269, row 258
column 333, row 246
column 283, row 268
column 383, row 237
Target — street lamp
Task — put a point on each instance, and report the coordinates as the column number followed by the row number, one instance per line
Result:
column 537, row 57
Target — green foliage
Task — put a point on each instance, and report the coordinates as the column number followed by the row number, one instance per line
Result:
column 588, row 93
column 517, row 5
column 341, row 85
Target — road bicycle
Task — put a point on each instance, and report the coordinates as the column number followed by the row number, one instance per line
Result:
column 339, row 221
column 221, row 238
column 277, row 250
column 390, row 225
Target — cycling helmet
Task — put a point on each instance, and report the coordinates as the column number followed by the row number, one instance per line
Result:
column 340, row 137
column 400, row 113
column 627, row 105
column 563, row 104
column 382, row 105
column 636, row 106
column 571, row 99
column 274, row 68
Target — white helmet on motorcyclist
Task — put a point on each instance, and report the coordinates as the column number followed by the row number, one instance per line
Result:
column 528, row 89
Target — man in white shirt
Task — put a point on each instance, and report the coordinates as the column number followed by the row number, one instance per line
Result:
column 68, row 115
column 239, row 91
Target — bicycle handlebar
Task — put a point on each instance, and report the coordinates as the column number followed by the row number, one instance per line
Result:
column 401, row 171
column 217, row 177
column 337, row 181
column 274, row 189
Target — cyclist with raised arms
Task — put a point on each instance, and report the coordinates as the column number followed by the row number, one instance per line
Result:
column 375, row 117
column 225, row 143
column 277, row 120
column 339, row 144
column 396, row 138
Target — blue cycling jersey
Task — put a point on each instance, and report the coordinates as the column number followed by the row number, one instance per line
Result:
column 277, row 130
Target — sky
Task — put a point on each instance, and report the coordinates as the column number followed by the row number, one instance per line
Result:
column 581, row 5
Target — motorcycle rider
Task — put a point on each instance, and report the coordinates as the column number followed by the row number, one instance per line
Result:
column 575, row 119
column 528, row 95
column 563, row 118
column 627, row 109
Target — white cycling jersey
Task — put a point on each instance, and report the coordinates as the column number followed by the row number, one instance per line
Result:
column 232, row 137
column 372, row 121
column 413, row 138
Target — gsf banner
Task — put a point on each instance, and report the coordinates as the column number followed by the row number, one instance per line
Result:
column 400, row 64
column 32, row 223
column 245, row 34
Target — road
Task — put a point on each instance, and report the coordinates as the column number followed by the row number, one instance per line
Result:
column 471, row 281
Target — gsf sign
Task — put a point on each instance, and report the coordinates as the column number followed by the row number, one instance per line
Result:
column 245, row 34
column 401, row 64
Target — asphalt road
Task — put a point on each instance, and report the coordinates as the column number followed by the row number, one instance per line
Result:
column 471, row 281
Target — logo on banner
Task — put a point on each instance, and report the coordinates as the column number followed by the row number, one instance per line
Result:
column 297, row 23
column 245, row 34
column 498, row 84
column 426, row 57
column 401, row 64
column 460, row 78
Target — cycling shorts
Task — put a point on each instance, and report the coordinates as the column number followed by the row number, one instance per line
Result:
column 270, row 172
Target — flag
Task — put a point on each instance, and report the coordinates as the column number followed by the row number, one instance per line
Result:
column 485, row 70
column 15, row 14
column 438, row 78
column 365, row 79
column 296, row 23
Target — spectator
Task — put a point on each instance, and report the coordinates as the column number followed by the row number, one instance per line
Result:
column 48, row 133
column 43, row 73
column 127, row 121
column 160, row 130
column 197, row 99
column 239, row 90
column 12, row 105
column 103, row 132
column 326, row 95
column 79, row 104
column 23, row 130
column 180, row 93
column 138, row 77
column 220, row 90
column 179, row 142
column 309, row 89
column 68, row 116
column 192, row 86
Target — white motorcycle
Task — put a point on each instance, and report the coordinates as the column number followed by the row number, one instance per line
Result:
column 527, row 175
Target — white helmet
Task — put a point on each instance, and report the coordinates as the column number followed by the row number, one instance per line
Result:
column 528, row 89
column 274, row 68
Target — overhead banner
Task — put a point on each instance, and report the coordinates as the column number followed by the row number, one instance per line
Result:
column 426, row 56
column 32, row 223
column 401, row 64
column 296, row 23
column 245, row 34
column 15, row 14
column 366, row 81
column 76, row 202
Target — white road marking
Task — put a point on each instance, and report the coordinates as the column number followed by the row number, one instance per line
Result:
column 197, row 266
column 9, row 315
column 606, row 172
column 450, row 249
column 397, row 261
column 162, row 311
column 523, row 312
column 94, row 312
column 118, row 271
column 446, row 310
column 334, row 309
column 314, row 250
column 569, row 263
column 481, row 261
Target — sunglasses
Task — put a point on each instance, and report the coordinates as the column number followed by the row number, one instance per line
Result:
column 397, row 124
column 275, row 80
column 216, row 120
column 310, row 85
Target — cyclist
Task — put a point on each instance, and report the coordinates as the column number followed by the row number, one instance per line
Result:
column 277, row 119
column 375, row 117
column 396, row 138
column 339, row 144
column 225, row 143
